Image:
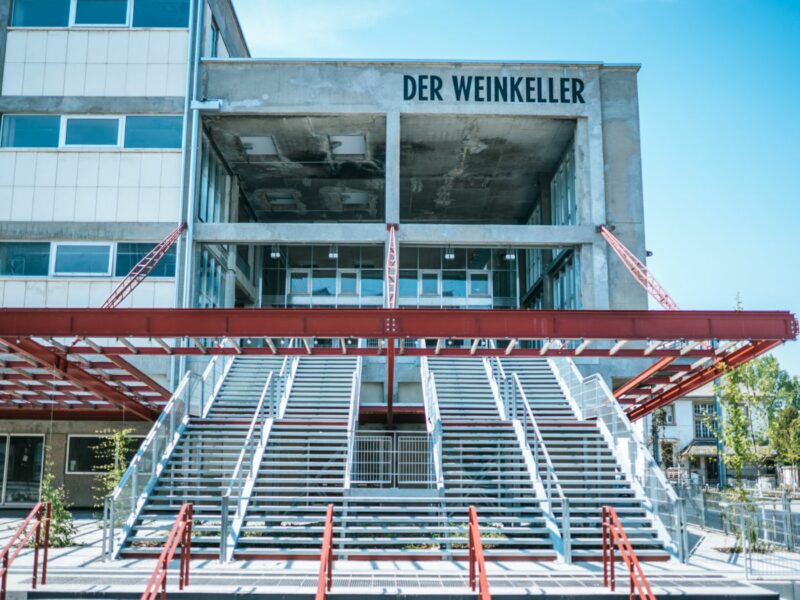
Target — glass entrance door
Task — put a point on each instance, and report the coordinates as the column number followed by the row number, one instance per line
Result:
column 23, row 468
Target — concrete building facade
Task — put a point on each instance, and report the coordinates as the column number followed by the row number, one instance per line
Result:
column 121, row 121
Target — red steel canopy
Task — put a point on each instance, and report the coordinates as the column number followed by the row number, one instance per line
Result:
column 44, row 371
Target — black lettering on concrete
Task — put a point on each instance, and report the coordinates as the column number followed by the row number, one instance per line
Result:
column 550, row 90
column 530, row 88
column 577, row 89
column 462, row 86
column 409, row 87
column 423, row 87
column 539, row 97
column 500, row 86
column 565, row 90
column 436, row 87
column 479, row 89
column 516, row 95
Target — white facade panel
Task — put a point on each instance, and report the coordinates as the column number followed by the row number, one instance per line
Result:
column 76, row 293
column 95, row 63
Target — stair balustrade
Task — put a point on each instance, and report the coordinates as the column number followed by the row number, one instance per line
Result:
column 593, row 400
column 433, row 421
column 614, row 535
column 30, row 532
column 519, row 409
column 325, row 579
column 352, row 424
column 193, row 397
column 477, row 563
column 247, row 465
column 180, row 536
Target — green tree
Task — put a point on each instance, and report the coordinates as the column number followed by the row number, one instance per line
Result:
column 784, row 435
column 62, row 528
column 113, row 454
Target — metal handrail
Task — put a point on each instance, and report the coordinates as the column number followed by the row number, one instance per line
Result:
column 41, row 512
column 476, row 558
column 179, row 536
column 252, row 449
column 594, row 400
column 433, row 420
column 325, row 579
column 613, row 532
column 352, row 423
column 129, row 496
column 540, row 448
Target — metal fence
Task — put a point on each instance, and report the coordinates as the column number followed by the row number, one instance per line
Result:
column 392, row 459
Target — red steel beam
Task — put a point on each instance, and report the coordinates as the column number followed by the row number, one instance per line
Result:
column 634, row 382
column 64, row 369
column 138, row 375
column 412, row 323
column 701, row 378
column 67, row 414
column 389, row 380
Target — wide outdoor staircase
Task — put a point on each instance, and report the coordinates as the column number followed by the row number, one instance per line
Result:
column 587, row 469
column 483, row 464
column 201, row 464
column 303, row 467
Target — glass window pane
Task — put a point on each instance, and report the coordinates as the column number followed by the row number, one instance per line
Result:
column 24, row 258
column 153, row 132
column 101, row 12
column 479, row 258
column 372, row 282
column 324, row 282
column 408, row 257
column 161, row 13
column 28, row 131
column 479, row 284
column 24, row 468
column 430, row 258
column 298, row 282
column 408, row 284
column 82, row 260
column 454, row 284
column 349, row 283
column 40, row 13
column 430, row 284
column 92, row 132
column 3, row 447
column 130, row 254
column 82, row 455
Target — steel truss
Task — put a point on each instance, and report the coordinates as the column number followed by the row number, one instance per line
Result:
column 39, row 370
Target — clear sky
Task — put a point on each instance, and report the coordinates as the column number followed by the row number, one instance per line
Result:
column 719, row 97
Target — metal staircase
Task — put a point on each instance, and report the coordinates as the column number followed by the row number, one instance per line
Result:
column 201, row 464
column 587, row 469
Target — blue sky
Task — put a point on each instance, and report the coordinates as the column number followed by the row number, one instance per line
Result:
column 718, row 91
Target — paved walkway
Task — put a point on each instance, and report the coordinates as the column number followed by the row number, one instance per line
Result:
column 80, row 568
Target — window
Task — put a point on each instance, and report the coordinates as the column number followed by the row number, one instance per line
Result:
column 153, row 132
column 92, row 132
column 30, row 131
column 703, row 415
column 348, row 283
column 479, row 284
column 161, row 13
column 130, row 254
column 83, row 259
column 213, row 50
column 371, row 282
column 299, row 282
column 40, row 13
column 454, row 284
column 408, row 284
column 324, row 282
column 24, row 258
column 83, row 456
column 430, row 284
column 101, row 12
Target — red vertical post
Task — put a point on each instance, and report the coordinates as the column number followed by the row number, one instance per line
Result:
column 471, row 546
column 605, row 546
column 389, row 380
column 5, row 577
column 48, row 516
column 37, row 540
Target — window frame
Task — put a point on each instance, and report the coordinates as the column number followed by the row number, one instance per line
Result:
column 487, row 275
column 29, row 148
column 73, row 13
column 49, row 257
column 343, row 272
column 62, row 138
column 422, row 273
column 289, row 291
column 54, row 254
column 68, row 471
column 3, row 501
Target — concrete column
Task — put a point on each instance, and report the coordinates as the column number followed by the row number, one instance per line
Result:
column 392, row 207
column 594, row 275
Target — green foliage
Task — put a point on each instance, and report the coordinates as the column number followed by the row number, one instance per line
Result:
column 113, row 453
column 62, row 529
column 784, row 435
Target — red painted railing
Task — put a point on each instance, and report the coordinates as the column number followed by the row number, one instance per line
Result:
column 325, row 581
column 31, row 528
column 614, row 535
column 477, row 564
column 181, row 535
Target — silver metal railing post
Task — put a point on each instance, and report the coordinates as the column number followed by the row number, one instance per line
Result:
column 224, row 524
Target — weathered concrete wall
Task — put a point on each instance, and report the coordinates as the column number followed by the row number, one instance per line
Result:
column 81, row 489
column 623, row 181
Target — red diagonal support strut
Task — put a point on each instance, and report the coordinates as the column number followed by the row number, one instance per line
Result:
column 143, row 268
column 391, row 267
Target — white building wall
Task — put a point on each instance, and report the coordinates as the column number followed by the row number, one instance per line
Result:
column 77, row 62
column 82, row 293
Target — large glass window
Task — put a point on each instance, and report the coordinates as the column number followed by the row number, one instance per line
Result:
column 83, row 259
column 101, row 12
column 454, row 284
column 562, row 193
column 92, row 132
column 84, row 455
column 371, row 282
column 40, row 13
column 324, row 282
column 299, row 282
column 479, row 284
column 408, row 284
column 30, row 131
column 24, row 258
column 703, row 416
column 130, row 254
column 348, row 285
column 24, row 475
column 153, row 131
column 161, row 13
column 430, row 284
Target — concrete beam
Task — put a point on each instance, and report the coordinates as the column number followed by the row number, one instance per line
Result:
column 531, row 236
column 92, row 104
column 68, row 230
column 393, row 167
column 229, row 28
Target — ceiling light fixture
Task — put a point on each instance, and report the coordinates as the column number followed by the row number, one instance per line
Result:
column 449, row 253
column 511, row 254
column 333, row 252
column 275, row 252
